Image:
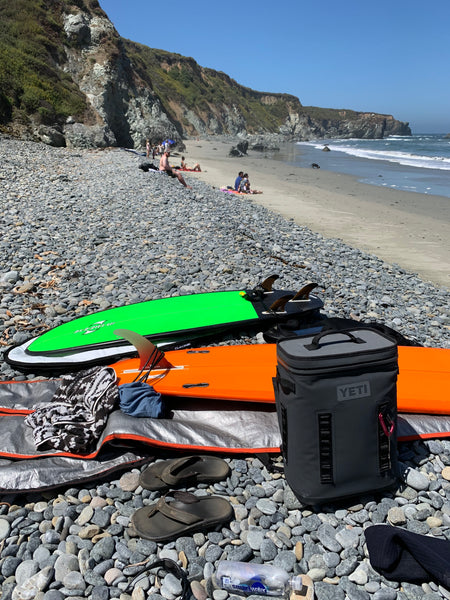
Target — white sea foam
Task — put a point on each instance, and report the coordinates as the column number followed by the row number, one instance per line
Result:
column 402, row 158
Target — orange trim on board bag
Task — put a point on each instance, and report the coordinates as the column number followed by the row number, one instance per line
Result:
column 146, row 440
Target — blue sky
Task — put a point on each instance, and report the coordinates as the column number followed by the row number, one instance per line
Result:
column 387, row 56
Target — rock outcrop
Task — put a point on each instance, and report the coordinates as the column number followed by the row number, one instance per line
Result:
column 124, row 109
column 301, row 126
column 239, row 150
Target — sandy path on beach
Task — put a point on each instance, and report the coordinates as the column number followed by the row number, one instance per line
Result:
column 412, row 230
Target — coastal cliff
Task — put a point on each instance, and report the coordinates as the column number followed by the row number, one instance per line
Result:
column 68, row 78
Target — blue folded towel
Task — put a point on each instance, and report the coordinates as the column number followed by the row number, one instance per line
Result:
column 139, row 399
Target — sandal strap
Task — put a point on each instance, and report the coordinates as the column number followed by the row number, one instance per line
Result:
column 167, row 473
column 175, row 514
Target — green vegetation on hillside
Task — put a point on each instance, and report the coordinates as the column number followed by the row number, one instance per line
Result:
column 31, row 48
column 180, row 80
column 177, row 80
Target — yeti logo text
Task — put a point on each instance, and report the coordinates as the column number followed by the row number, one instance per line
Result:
column 94, row 327
column 353, row 390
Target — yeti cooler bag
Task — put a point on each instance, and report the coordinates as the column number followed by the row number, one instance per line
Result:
column 336, row 397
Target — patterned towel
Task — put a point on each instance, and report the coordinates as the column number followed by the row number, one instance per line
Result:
column 75, row 418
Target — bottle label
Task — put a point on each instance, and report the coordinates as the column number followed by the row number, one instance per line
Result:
column 250, row 586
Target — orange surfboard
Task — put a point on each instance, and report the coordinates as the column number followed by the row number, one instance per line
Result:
column 245, row 372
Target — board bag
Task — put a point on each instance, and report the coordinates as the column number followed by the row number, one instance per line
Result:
column 337, row 410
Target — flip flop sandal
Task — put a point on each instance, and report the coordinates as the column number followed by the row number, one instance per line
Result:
column 185, row 471
column 166, row 521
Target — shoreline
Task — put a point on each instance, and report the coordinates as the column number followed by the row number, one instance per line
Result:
column 405, row 228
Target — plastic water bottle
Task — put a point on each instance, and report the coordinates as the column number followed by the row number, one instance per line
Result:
column 263, row 580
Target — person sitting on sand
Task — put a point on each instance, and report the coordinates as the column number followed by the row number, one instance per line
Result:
column 238, row 180
column 244, row 184
column 165, row 166
column 184, row 166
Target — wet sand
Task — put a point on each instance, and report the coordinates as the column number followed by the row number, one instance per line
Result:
column 406, row 228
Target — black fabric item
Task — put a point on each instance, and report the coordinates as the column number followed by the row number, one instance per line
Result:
column 170, row 566
column 402, row 555
column 147, row 166
column 337, row 323
column 295, row 328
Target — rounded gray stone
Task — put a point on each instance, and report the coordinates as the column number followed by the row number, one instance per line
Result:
column 268, row 550
column 9, row 565
column 348, row 538
column 347, row 566
column 53, row 595
column 74, row 581
column 65, row 564
column 286, row 560
column 331, row 559
column 266, row 506
column 327, row 536
column 42, row 556
column 5, row 529
column 417, row 480
column 172, row 584
column 327, row 591
column 385, row 593
column 396, row 516
column 103, row 549
column 255, row 538
column 25, row 570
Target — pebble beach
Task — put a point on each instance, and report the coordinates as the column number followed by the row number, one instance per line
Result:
column 86, row 230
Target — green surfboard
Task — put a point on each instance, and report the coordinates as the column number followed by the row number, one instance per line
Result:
column 173, row 321
column 162, row 319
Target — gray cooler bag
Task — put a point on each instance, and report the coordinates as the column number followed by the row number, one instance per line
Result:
column 336, row 396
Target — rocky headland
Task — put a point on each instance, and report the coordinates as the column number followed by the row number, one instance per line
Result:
column 77, row 83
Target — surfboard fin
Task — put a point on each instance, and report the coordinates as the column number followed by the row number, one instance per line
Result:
column 303, row 294
column 266, row 285
column 145, row 348
column 279, row 305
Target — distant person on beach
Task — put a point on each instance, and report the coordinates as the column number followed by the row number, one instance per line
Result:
column 184, row 166
column 147, row 147
column 238, row 180
column 244, row 184
column 165, row 166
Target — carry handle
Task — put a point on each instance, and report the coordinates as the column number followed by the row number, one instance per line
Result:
column 315, row 343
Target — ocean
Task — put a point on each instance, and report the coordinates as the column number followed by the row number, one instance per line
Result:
column 417, row 163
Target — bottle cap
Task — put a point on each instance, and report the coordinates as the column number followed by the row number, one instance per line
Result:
column 302, row 588
column 296, row 583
